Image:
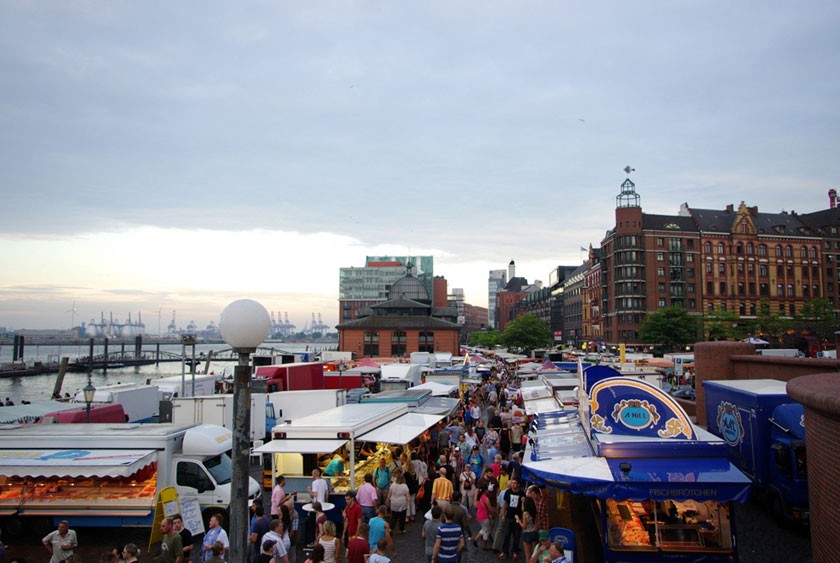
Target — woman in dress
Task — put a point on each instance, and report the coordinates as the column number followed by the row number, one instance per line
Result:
column 485, row 514
column 330, row 543
column 398, row 497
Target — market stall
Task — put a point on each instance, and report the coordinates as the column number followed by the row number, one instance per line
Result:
column 660, row 488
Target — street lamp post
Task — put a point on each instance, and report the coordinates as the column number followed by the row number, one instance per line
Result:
column 89, row 392
column 244, row 325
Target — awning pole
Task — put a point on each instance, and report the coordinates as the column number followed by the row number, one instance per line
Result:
column 353, row 464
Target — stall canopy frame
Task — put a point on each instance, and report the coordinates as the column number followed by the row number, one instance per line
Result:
column 74, row 463
column 300, row 446
column 402, row 430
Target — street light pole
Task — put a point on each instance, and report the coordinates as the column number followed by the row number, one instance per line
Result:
column 89, row 392
column 244, row 325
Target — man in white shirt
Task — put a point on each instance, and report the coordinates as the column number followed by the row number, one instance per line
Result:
column 60, row 543
column 319, row 490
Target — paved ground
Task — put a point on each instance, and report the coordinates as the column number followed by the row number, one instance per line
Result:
column 759, row 540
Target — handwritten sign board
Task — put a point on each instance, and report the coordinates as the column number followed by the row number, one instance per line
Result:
column 168, row 505
column 191, row 514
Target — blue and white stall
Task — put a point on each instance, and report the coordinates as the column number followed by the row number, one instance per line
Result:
column 661, row 488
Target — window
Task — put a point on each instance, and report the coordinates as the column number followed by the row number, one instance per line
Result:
column 708, row 267
column 778, row 251
column 710, row 288
column 751, row 268
column 780, row 290
column 689, row 258
column 661, row 302
column 806, row 290
column 780, row 271
column 711, row 307
column 741, row 290
column 722, row 287
column 742, row 309
column 788, row 252
column 790, row 290
column 427, row 341
column 690, row 288
column 660, row 272
column 752, row 288
column 805, row 272
column 740, row 267
column 707, row 248
column 660, row 256
column 762, row 270
column 371, row 344
column 721, row 268
column 661, row 287
column 660, row 241
column 750, row 248
column 689, row 243
column 191, row 475
column 813, row 252
column 803, row 252
column 762, row 250
column 720, row 248
column 764, row 289
column 792, row 309
column 739, row 248
column 789, row 271
column 398, row 343
column 752, row 309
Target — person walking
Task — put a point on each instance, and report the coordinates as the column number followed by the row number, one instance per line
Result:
column 214, row 534
column 485, row 511
column 379, row 529
column 352, row 515
column 171, row 549
column 186, row 536
column 442, row 488
column 467, row 484
column 358, row 546
column 366, row 497
column 382, row 479
column 449, row 541
column 260, row 525
column 429, row 533
column 277, row 534
column 332, row 545
column 398, row 499
column 528, row 522
column 60, row 543
column 511, row 531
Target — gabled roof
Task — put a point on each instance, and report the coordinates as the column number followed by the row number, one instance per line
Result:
column 822, row 219
column 399, row 323
column 675, row 223
column 785, row 224
column 400, row 303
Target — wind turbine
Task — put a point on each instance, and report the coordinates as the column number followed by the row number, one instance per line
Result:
column 72, row 312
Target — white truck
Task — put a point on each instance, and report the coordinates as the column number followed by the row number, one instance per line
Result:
column 218, row 409
column 400, row 376
column 293, row 405
column 141, row 403
column 170, row 387
column 110, row 474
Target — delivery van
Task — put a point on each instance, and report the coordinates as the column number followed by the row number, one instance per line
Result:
column 109, row 475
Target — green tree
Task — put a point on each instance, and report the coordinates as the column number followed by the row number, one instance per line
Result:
column 486, row 338
column 770, row 324
column 527, row 332
column 723, row 325
column 670, row 326
column 817, row 315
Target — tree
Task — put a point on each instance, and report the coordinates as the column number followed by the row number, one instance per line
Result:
column 769, row 323
column 723, row 325
column 670, row 326
column 817, row 315
column 527, row 332
column 486, row 338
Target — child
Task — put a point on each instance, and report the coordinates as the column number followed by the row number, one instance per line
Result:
column 378, row 556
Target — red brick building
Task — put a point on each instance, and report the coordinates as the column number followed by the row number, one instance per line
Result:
column 405, row 323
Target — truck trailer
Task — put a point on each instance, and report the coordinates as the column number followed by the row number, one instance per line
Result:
column 765, row 431
column 218, row 409
column 109, row 475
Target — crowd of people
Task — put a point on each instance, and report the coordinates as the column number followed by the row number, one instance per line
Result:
column 462, row 478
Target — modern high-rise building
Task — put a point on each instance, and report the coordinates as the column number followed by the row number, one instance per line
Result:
column 369, row 284
column 495, row 283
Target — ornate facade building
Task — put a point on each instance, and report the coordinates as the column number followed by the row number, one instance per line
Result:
column 704, row 260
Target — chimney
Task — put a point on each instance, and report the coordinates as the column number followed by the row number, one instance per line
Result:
column 511, row 270
column 730, row 208
column 832, row 198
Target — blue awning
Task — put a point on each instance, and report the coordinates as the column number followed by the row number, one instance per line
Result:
column 643, row 478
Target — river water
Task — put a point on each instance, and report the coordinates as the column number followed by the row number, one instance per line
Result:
column 40, row 387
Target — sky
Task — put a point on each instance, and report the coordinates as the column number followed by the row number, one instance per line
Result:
column 175, row 156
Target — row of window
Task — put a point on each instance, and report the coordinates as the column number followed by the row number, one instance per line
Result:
column 782, row 290
column 743, row 308
column 398, row 343
column 779, row 250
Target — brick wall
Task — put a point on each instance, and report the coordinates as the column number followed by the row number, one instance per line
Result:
column 820, row 394
column 738, row 360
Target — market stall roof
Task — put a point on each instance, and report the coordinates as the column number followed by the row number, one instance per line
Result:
column 402, row 430
column 444, row 406
column 33, row 411
column 74, row 463
column 437, row 389
column 640, row 479
column 302, row 446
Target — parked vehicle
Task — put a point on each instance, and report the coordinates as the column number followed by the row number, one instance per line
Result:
column 109, row 475
column 97, row 413
column 218, row 409
column 765, row 431
column 293, row 405
column 400, row 376
column 198, row 386
column 141, row 403
column 288, row 377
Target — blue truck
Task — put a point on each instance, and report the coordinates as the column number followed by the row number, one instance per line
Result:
column 765, row 431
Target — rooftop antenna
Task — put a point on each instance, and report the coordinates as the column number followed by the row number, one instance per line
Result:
column 628, row 170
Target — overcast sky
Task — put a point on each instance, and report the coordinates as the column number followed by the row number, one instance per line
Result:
column 160, row 156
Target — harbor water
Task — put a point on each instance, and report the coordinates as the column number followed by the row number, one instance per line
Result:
column 40, row 387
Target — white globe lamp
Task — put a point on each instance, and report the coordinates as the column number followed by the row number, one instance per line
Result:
column 244, row 325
